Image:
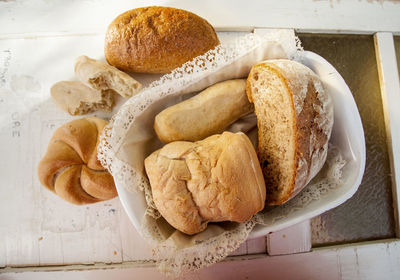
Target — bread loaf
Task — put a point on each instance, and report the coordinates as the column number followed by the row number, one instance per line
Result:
column 157, row 39
column 294, row 118
column 205, row 114
column 77, row 99
column 70, row 167
column 213, row 180
column 103, row 77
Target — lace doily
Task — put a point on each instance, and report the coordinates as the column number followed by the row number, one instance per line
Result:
column 129, row 139
column 193, row 76
column 175, row 260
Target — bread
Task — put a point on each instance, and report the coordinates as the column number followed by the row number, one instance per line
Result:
column 157, row 39
column 104, row 77
column 213, row 180
column 294, row 119
column 205, row 114
column 70, row 167
column 77, row 99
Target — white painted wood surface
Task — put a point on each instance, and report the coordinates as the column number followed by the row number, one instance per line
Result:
column 251, row 247
column 390, row 90
column 37, row 227
column 358, row 262
column 38, row 42
column 60, row 17
column 292, row 240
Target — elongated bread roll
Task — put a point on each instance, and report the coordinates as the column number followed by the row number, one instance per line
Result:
column 205, row 114
column 294, row 119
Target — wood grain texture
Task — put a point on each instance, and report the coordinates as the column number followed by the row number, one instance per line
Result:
column 390, row 91
column 251, row 247
column 370, row 260
column 256, row 246
column 350, row 16
column 37, row 228
column 292, row 240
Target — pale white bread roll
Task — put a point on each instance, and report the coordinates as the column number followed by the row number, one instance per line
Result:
column 213, row 180
column 209, row 112
column 77, row 99
column 294, row 119
column 101, row 76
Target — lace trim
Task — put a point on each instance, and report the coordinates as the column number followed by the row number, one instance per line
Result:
column 170, row 258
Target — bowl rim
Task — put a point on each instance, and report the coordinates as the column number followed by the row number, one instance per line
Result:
column 314, row 60
column 131, row 200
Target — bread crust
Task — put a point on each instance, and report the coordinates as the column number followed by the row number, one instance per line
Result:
column 208, row 112
column 313, row 119
column 70, row 167
column 68, row 186
column 75, row 98
column 104, row 78
column 213, row 180
column 157, row 39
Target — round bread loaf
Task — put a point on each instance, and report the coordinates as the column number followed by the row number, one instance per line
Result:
column 70, row 167
column 213, row 180
column 157, row 39
column 294, row 119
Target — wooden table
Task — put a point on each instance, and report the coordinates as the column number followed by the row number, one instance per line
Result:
column 43, row 237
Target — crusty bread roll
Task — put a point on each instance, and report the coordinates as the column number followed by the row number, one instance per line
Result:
column 216, row 179
column 103, row 77
column 205, row 114
column 70, row 167
column 77, row 99
column 294, row 118
column 157, row 39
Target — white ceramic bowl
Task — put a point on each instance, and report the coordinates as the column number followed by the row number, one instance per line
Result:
column 347, row 134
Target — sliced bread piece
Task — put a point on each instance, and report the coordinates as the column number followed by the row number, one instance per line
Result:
column 101, row 76
column 294, row 119
column 77, row 99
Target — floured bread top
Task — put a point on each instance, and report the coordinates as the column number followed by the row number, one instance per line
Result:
column 295, row 118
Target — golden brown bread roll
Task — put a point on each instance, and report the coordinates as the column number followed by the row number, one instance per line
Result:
column 294, row 119
column 157, row 39
column 70, row 167
column 209, row 112
column 213, row 180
